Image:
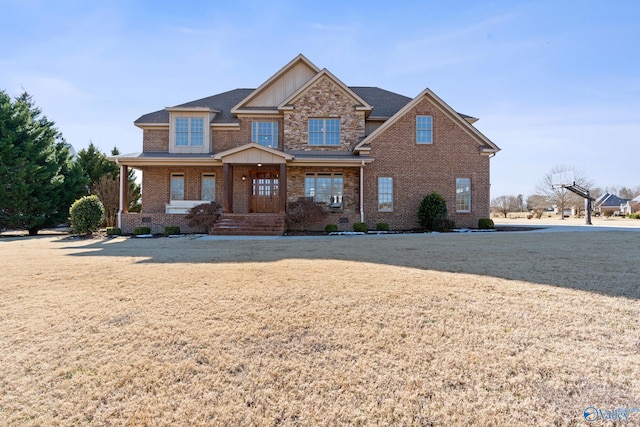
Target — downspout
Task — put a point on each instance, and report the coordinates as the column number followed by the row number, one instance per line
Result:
column 362, row 191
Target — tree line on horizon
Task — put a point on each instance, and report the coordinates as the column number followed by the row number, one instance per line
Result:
column 42, row 178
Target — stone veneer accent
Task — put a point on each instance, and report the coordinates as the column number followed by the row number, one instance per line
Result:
column 325, row 99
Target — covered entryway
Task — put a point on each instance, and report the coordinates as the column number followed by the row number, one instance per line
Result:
column 265, row 185
column 264, row 195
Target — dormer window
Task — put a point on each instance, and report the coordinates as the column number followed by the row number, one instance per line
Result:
column 189, row 131
column 265, row 133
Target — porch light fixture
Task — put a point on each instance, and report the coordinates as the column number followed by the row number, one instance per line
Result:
column 259, row 164
column 244, row 177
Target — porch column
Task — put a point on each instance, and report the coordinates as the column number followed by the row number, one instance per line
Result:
column 282, row 188
column 362, row 192
column 227, row 189
column 123, row 196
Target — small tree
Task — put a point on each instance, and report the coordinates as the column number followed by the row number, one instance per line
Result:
column 204, row 215
column 86, row 214
column 432, row 211
column 505, row 204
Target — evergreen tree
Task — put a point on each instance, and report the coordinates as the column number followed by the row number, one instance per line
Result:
column 40, row 180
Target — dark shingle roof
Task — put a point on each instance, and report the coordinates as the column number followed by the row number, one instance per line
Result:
column 385, row 104
column 223, row 101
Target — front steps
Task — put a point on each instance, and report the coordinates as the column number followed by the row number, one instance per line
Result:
column 260, row 224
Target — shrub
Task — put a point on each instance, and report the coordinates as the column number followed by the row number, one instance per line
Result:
column 431, row 211
column 171, row 230
column 86, row 214
column 141, row 230
column 608, row 213
column 113, row 231
column 331, row 228
column 304, row 213
column 486, row 224
column 444, row 224
column 360, row 227
column 204, row 215
column 634, row 216
column 382, row 226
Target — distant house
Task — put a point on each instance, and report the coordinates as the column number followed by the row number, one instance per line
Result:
column 630, row 206
column 609, row 202
column 363, row 153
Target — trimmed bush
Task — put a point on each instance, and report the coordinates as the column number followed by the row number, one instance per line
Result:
column 331, row 228
column 487, row 223
column 608, row 213
column 141, row 230
column 360, row 227
column 444, row 225
column 382, row 226
column 86, row 214
column 204, row 215
column 432, row 211
column 113, row 231
column 171, row 230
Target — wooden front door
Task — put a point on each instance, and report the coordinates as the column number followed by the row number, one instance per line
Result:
column 264, row 192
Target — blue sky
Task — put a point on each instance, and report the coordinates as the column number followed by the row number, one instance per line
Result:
column 553, row 82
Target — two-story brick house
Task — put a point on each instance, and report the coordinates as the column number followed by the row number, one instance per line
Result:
column 369, row 155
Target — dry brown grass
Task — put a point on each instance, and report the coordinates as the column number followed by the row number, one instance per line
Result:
column 418, row 330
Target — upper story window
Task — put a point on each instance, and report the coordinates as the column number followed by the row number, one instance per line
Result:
column 463, row 194
column 265, row 133
column 189, row 131
column 324, row 132
column 424, row 129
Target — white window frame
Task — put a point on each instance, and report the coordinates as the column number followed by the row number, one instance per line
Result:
column 323, row 128
column 385, row 194
column 424, row 129
column 204, row 196
column 259, row 136
column 175, row 178
column 463, row 195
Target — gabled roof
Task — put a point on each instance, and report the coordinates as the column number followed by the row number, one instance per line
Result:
column 299, row 60
column 608, row 200
column 363, row 105
column 487, row 146
column 255, row 150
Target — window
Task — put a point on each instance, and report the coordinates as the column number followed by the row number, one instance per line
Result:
column 265, row 133
column 189, row 131
column 385, row 194
column 324, row 131
column 424, row 129
column 177, row 186
column 208, row 187
column 463, row 194
column 324, row 188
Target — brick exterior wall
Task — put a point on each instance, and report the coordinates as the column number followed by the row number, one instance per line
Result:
column 416, row 169
column 156, row 185
column 419, row 169
column 155, row 140
column 325, row 99
column 157, row 222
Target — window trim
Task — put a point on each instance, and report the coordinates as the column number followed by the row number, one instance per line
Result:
column 202, row 178
column 460, row 191
column 388, row 193
column 171, row 180
column 424, row 134
column 274, row 132
column 323, row 131
column 192, row 128
column 336, row 199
